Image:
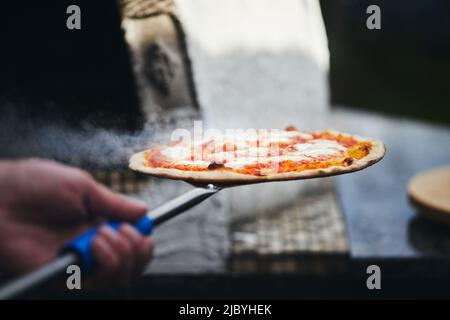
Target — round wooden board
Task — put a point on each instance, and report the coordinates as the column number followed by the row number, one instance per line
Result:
column 429, row 192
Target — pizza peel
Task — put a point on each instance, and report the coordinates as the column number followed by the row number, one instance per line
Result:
column 429, row 192
column 78, row 251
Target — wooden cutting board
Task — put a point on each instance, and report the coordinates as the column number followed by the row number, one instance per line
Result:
column 429, row 192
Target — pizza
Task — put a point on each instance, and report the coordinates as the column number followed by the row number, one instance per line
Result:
column 259, row 155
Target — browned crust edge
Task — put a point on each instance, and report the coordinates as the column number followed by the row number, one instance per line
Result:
column 225, row 177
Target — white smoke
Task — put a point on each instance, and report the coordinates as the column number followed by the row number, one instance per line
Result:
column 84, row 145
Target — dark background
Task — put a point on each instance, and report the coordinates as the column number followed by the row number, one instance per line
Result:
column 402, row 69
column 50, row 71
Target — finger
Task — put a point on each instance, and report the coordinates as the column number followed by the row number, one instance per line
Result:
column 103, row 202
column 124, row 250
column 136, row 239
column 106, row 258
column 145, row 253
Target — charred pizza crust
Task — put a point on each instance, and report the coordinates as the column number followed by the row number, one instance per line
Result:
column 221, row 176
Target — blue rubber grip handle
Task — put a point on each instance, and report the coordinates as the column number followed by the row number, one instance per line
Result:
column 81, row 245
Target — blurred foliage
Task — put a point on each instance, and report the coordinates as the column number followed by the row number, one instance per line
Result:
column 402, row 69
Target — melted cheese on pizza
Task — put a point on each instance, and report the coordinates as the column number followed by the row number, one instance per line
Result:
column 261, row 152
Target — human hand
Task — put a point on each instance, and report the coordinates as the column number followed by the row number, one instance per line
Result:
column 44, row 204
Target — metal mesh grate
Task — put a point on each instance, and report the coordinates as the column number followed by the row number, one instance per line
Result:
column 294, row 238
column 138, row 9
column 123, row 181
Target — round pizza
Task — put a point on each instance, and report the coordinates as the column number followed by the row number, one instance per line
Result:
column 252, row 156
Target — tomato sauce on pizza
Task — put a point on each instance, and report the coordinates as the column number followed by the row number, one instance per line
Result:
column 262, row 152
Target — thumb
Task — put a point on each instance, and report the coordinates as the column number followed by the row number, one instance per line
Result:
column 104, row 203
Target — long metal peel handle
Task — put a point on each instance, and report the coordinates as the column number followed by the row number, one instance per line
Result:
column 182, row 203
column 78, row 251
column 82, row 244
